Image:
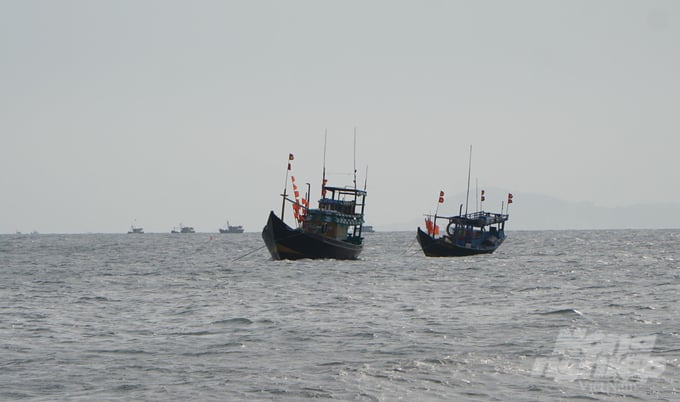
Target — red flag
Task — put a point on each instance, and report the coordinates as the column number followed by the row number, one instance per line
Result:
column 441, row 193
column 441, row 200
column 289, row 166
column 290, row 157
column 509, row 198
column 429, row 226
column 483, row 198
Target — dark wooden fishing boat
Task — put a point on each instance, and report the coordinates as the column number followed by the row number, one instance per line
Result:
column 466, row 234
column 333, row 230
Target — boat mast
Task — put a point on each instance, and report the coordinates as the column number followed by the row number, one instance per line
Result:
column 467, row 197
column 323, row 172
column 356, row 197
column 355, row 160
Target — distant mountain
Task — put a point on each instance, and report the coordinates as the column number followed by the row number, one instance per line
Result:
column 543, row 212
column 540, row 212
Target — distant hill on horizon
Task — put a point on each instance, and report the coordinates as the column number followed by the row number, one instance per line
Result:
column 540, row 212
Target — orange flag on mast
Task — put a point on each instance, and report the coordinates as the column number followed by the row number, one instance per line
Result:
column 429, row 226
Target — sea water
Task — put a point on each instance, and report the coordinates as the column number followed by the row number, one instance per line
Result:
column 552, row 315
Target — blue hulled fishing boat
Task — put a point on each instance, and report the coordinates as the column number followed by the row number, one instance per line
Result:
column 466, row 234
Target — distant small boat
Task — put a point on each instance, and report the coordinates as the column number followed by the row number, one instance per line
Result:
column 232, row 229
column 183, row 229
column 466, row 234
column 333, row 230
column 368, row 229
column 134, row 230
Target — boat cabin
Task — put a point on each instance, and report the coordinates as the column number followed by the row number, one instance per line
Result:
column 470, row 230
column 340, row 214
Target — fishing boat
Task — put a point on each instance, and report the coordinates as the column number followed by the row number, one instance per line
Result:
column 331, row 231
column 232, row 229
column 368, row 229
column 468, row 233
column 187, row 229
column 183, row 229
column 135, row 230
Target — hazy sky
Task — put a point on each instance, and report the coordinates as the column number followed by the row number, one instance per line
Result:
column 185, row 111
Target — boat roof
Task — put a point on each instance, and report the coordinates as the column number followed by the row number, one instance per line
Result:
column 347, row 190
column 478, row 219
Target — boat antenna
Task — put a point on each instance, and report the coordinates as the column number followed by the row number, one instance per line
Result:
column 285, row 185
column 355, row 158
column 323, row 172
column 479, row 206
column 467, row 196
column 366, row 178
